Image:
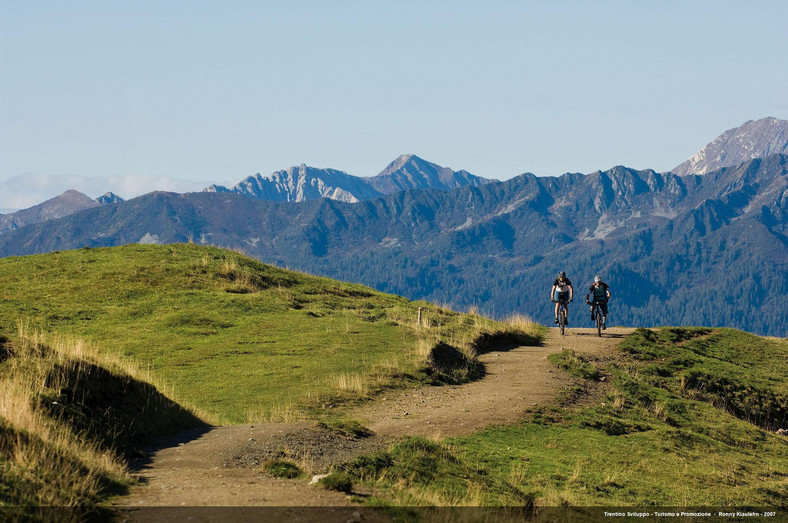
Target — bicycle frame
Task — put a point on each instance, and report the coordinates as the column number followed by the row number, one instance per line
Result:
column 562, row 308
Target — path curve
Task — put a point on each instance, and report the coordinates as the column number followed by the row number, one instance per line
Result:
column 515, row 380
column 218, row 466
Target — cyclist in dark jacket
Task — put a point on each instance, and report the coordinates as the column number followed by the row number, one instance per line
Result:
column 599, row 292
column 562, row 291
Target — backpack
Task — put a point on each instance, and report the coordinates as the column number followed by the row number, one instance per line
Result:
column 600, row 293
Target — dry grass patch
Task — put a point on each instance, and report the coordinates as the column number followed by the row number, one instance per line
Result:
column 279, row 413
column 63, row 436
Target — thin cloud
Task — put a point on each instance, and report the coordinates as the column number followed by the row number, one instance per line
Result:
column 21, row 192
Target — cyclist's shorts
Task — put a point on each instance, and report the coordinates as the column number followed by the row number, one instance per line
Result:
column 562, row 296
column 602, row 307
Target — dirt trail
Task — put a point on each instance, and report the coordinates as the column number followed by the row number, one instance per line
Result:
column 196, row 470
column 220, row 466
column 515, row 380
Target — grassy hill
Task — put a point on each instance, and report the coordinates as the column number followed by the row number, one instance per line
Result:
column 103, row 350
column 239, row 340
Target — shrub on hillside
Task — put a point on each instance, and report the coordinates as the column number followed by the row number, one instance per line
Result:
column 338, row 481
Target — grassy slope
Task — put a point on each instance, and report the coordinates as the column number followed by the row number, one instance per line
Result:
column 238, row 339
column 90, row 338
column 660, row 437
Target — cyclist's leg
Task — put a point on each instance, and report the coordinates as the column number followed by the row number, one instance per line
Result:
column 563, row 297
column 556, row 311
column 603, row 306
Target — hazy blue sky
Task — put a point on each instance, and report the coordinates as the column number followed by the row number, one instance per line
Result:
column 131, row 95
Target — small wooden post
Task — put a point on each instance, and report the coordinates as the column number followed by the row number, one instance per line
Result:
column 420, row 316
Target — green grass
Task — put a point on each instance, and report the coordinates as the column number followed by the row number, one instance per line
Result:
column 574, row 364
column 280, row 468
column 688, row 419
column 239, row 340
column 656, row 438
column 420, row 472
column 180, row 310
column 740, row 373
column 338, row 481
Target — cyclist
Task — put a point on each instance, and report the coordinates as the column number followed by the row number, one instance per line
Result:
column 562, row 292
column 599, row 292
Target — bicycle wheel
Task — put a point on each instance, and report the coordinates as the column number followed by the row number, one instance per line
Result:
column 562, row 320
column 598, row 319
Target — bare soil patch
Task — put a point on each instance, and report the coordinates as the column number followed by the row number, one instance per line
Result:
column 221, row 467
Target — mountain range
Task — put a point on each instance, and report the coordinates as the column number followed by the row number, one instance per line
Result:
column 301, row 183
column 295, row 184
column 689, row 249
column 753, row 139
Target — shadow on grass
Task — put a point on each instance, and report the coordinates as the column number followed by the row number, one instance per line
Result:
column 504, row 342
column 451, row 366
column 5, row 353
column 118, row 411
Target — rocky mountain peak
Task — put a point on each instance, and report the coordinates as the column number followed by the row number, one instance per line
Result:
column 752, row 139
column 219, row 188
column 70, row 196
column 408, row 171
column 404, row 160
column 109, row 198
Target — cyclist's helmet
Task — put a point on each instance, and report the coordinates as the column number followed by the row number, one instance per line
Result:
column 597, row 278
column 562, row 275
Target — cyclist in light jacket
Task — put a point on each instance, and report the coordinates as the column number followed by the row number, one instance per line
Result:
column 599, row 292
column 562, row 292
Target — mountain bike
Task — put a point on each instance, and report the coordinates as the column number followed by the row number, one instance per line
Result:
column 561, row 314
column 596, row 313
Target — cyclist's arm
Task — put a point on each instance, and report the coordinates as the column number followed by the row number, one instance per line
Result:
column 571, row 293
column 552, row 293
